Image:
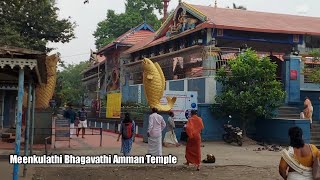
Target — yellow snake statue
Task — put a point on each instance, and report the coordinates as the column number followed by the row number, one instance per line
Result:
column 154, row 84
column 44, row 92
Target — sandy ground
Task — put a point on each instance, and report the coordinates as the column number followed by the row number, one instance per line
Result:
column 174, row 173
column 232, row 162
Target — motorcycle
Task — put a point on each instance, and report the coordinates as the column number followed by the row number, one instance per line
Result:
column 232, row 134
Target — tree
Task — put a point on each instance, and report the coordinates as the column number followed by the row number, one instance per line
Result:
column 32, row 24
column 69, row 87
column 315, row 73
column 137, row 11
column 250, row 89
column 239, row 7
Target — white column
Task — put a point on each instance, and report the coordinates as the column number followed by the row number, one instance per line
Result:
column 185, row 85
column 139, row 93
column 137, row 129
column 210, row 90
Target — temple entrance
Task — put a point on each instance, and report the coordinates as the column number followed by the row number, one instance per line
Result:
column 9, row 109
column 279, row 63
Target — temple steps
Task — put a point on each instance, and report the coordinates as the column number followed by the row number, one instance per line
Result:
column 288, row 112
column 9, row 135
column 315, row 133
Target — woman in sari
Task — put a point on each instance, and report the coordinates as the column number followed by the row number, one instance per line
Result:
column 193, row 148
column 170, row 137
column 296, row 161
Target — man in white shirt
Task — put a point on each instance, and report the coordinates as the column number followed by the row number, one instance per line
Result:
column 156, row 126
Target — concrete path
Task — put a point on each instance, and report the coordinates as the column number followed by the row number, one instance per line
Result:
column 225, row 154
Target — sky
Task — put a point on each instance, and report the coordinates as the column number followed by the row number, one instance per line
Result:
column 87, row 16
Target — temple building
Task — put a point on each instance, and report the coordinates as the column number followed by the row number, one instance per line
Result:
column 102, row 78
column 195, row 41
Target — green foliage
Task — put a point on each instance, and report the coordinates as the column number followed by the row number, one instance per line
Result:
column 313, row 73
column 239, row 7
column 32, row 24
column 315, row 52
column 69, row 85
column 137, row 11
column 250, row 89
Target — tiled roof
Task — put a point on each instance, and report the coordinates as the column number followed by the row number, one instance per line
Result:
column 151, row 41
column 137, row 37
column 260, row 21
column 244, row 20
column 140, row 44
column 131, row 37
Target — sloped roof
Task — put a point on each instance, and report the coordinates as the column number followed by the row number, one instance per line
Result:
column 237, row 19
column 19, row 51
column 131, row 37
column 140, row 44
column 137, row 37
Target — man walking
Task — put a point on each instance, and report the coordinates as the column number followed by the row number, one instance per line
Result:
column 82, row 114
column 71, row 116
column 156, row 126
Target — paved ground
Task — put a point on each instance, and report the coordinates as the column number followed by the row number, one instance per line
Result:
column 232, row 162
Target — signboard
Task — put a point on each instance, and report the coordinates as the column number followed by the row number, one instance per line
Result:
column 113, row 105
column 62, row 129
column 186, row 101
column 293, row 74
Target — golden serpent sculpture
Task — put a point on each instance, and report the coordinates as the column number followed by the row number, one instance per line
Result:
column 44, row 92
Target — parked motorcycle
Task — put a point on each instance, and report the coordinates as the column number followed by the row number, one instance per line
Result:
column 232, row 134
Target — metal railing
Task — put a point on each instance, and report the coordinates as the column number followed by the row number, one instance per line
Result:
column 49, row 136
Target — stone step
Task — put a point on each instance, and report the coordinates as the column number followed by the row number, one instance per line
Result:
column 315, row 127
column 315, row 133
column 315, row 139
column 288, row 116
column 288, row 107
column 5, row 135
column 289, row 111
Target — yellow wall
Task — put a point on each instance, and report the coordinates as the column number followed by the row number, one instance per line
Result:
column 113, row 105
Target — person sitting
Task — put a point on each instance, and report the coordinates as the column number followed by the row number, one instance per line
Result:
column 296, row 161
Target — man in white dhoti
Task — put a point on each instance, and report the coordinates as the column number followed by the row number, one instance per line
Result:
column 155, row 128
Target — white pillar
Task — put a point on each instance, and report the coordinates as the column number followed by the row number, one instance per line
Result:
column 185, row 85
column 210, row 90
column 139, row 93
